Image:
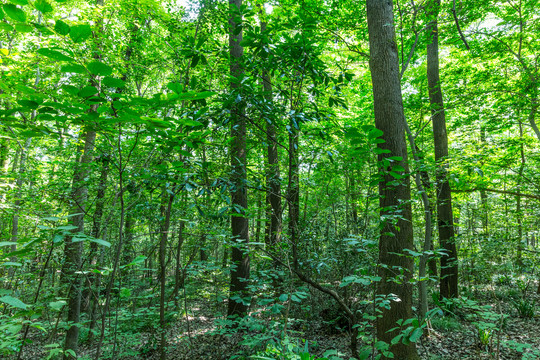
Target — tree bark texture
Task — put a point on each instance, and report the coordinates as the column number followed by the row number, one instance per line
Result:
column 239, row 222
column 394, row 196
column 449, row 267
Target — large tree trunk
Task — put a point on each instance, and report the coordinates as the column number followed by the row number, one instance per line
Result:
column 394, row 196
column 239, row 221
column 449, row 267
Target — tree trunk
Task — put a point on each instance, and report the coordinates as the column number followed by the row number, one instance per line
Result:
column 73, row 250
column 239, row 221
column 165, row 212
column 449, row 267
column 90, row 297
column 394, row 197
column 273, row 181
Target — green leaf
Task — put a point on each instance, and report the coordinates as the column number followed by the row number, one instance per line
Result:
column 6, row 27
column 416, row 334
column 7, row 243
column 80, row 33
column 20, row 2
column 14, row 12
column 10, row 263
column 88, row 91
column 61, row 27
column 113, row 82
column 29, row 104
column 57, row 305
column 101, row 242
column 70, row 89
column 24, row 28
column 189, row 122
column 74, row 68
column 99, row 68
column 1, row 14
column 10, row 300
column 43, row 6
column 53, row 54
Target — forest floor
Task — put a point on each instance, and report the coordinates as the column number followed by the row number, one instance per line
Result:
column 200, row 336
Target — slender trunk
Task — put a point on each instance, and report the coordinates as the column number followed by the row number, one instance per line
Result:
column 519, row 212
column 449, row 267
column 394, row 197
column 273, row 181
column 293, row 191
column 165, row 212
column 422, row 190
column 178, row 270
column 20, row 180
column 87, row 301
column 73, row 250
column 238, row 302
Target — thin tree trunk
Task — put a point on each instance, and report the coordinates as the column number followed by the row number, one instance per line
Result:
column 165, row 212
column 237, row 305
column 20, row 180
column 178, row 270
column 519, row 212
column 73, row 250
column 396, row 228
column 273, row 181
column 449, row 267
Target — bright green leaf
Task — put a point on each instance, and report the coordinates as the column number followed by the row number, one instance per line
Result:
column 80, row 33
column 14, row 12
column 113, row 82
column 43, row 6
column 54, row 54
column 74, row 68
column 61, row 27
column 99, row 68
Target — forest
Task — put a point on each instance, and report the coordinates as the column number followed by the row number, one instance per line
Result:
column 269, row 179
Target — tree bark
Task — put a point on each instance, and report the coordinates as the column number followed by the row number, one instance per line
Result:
column 273, row 181
column 165, row 212
column 449, row 267
column 73, row 250
column 394, row 196
column 239, row 222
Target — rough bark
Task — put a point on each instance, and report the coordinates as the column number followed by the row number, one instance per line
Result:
column 396, row 228
column 449, row 267
column 239, row 222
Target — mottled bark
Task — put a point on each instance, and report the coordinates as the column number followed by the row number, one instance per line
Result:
column 394, row 196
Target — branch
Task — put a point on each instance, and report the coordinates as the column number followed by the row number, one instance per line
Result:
column 506, row 192
column 459, row 27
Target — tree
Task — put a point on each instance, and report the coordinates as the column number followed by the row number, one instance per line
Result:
column 238, row 304
column 449, row 265
column 394, row 186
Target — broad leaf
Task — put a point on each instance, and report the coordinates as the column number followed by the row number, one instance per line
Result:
column 61, row 27
column 113, row 82
column 10, row 300
column 14, row 12
column 43, row 6
column 80, row 33
column 53, row 54
column 99, row 68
